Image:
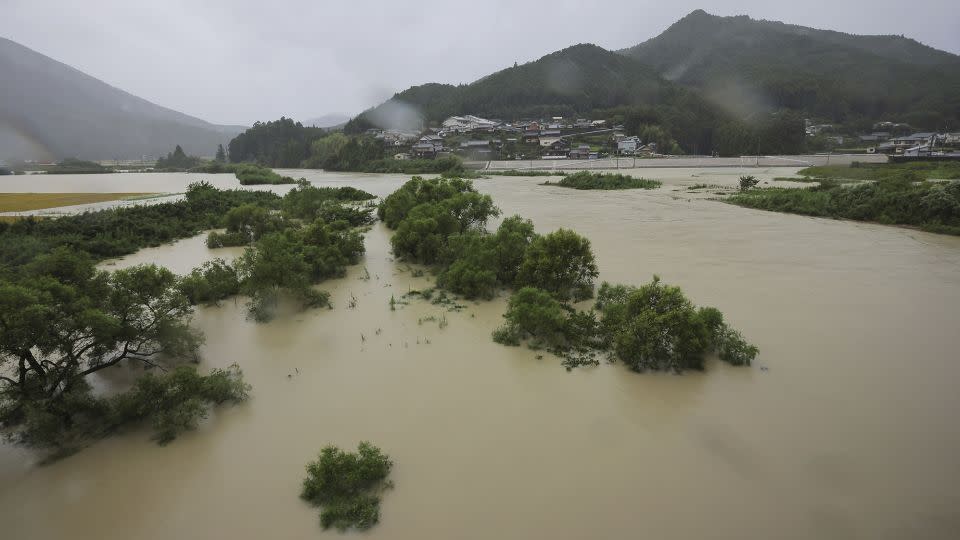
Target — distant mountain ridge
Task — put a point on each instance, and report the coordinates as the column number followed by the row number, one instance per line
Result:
column 575, row 80
column 53, row 111
column 833, row 75
column 703, row 63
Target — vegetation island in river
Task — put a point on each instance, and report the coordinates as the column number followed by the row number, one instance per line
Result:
column 604, row 181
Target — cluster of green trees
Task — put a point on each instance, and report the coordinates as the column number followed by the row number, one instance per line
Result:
column 247, row 173
column 177, row 160
column 281, row 143
column 316, row 148
column 288, row 263
column 62, row 320
column 311, row 237
column 649, row 328
column 778, row 133
column 347, row 486
column 703, row 130
column 441, row 222
column 121, row 231
column 248, row 223
column 603, row 181
column 900, row 198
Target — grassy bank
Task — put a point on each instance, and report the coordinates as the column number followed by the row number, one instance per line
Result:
column 449, row 165
column 22, row 202
column 931, row 206
column 590, row 180
column 917, row 170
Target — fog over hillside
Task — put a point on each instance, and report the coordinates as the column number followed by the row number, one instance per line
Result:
column 49, row 110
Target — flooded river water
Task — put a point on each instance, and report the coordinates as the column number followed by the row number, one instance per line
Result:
column 845, row 427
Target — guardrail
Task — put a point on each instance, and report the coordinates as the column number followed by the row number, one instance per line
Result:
column 678, row 161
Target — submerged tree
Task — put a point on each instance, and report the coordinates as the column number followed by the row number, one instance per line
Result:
column 62, row 321
column 347, row 486
column 561, row 263
column 655, row 327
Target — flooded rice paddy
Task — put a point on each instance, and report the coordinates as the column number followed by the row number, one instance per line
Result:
column 845, row 427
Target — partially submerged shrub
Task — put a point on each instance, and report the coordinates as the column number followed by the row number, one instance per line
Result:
column 172, row 402
column 747, row 182
column 561, row 263
column 175, row 402
column 347, row 486
column 655, row 327
column 733, row 349
column 604, row 181
column 534, row 313
column 211, row 282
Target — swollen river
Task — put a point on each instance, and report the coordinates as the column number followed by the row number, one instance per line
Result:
column 845, row 427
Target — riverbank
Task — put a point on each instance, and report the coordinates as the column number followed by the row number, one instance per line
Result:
column 22, row 202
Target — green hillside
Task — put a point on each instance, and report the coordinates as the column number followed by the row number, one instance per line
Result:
column 578, row 80
column 747, row 65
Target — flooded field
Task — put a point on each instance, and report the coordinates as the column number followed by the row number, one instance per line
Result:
column 845, row 427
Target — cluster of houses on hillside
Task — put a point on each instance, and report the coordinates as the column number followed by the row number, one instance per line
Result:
column 479, row 138
column 915, row 144
column 888, row 138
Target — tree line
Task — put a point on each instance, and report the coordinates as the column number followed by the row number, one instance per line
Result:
column 63, row 320
column 895, row 196
column 442, row 223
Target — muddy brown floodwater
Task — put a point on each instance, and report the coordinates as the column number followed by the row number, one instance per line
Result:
column 850, row 431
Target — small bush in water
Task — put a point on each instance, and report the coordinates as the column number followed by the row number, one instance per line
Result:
column 346, row 486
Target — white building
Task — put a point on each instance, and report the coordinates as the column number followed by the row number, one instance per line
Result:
column 467, row 123
column 628, row 145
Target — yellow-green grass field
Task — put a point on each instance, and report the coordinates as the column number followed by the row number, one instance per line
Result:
column 22, row 202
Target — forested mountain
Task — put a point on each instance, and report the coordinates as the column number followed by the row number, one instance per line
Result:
column 280, row 143
column 575, row 80
column 51, row 110
column 714, row 83
column 578, row 80
column 747, row 65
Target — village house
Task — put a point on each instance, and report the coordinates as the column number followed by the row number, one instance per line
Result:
column 628, row 145
column 580, row 152
column 899, row 145
column 427, row 147
column 555, row 147
column 464, row 124
column 476, row 149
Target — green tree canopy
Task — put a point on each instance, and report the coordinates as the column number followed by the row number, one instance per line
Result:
column 561, row 263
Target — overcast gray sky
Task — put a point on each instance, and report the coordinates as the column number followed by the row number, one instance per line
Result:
column 237, row 61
